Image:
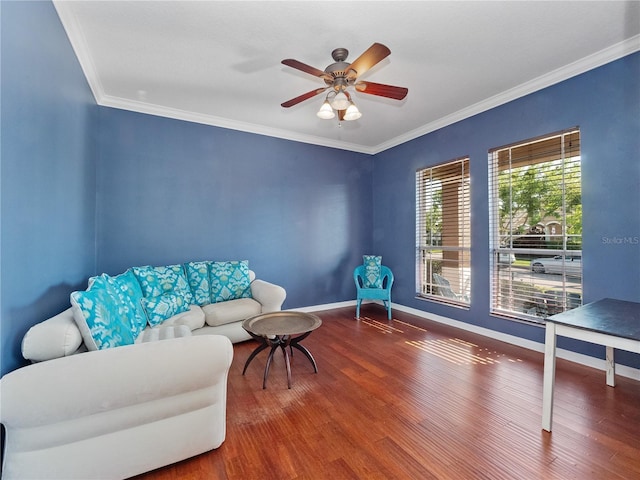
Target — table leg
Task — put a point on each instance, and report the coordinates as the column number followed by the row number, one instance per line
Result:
column 611, row 367
column 307, row 354
column 548, row 382
column 295, row 343
column 274, row 346
column 258, row 349
column 287, row 362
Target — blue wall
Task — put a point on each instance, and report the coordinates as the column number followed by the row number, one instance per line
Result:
column 48, row 172
column 172, row 191
column 605, row 104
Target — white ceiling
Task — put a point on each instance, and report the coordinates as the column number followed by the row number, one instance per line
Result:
column 218, row 62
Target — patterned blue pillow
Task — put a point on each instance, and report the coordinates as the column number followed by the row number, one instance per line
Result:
column 198, row 278
column 229, row 280
column 162, row 307
column 100, row 317
column 156, row 281
column 130, row 294
column 372, row 271
column 127, row 307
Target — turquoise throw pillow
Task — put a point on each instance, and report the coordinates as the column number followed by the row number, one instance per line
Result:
column 148, row 282
column 156, row 281
column 101, row 322
column 372, row 271
column 198, row 278
column 127, row 290
column 162, row 307
column 229, row 280
column 131, row 294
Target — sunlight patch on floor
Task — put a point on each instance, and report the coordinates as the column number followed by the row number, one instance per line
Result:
column 387, row 327
column 453, row 350
column 383, row 327
column 410, row 325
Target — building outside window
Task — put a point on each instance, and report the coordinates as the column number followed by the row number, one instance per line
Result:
column 443, row 237
column 536, row 226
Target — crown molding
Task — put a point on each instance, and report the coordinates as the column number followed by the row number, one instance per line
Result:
column 561, row 74
column 194, row 117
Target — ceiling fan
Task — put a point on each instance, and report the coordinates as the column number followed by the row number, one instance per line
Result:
column 342, row 74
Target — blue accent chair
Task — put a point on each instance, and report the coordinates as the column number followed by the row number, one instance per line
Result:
column 383, row 293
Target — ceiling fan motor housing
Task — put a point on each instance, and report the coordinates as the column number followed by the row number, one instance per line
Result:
column 341, row 77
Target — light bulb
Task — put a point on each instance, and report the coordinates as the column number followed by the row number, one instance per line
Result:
column 326, row 112
column 352, row 113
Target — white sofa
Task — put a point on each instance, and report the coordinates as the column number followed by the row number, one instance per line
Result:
column 86, row 409
column 115, row 413
column 59, row 336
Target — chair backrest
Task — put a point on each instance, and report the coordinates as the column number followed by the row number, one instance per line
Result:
column 385, row 273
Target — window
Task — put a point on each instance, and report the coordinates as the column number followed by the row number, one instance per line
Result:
column 443, row 238
column 536, row 226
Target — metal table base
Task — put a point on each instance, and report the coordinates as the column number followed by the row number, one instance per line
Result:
column 282, row 341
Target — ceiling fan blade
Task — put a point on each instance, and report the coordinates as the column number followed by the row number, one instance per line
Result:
column 303, row 97
column 290, row 62
column 341, row 115
column 369, row 58
column 382, row 90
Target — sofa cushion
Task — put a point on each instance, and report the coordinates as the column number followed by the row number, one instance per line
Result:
column 233, row 331
column 153, row 334
column 229, row 280
column 58, row 337
column 192, row 318
column 372, row 271
column 156, row 281
column 198, row 278
column 230, row 311
column 162, row 307
column 100, row 318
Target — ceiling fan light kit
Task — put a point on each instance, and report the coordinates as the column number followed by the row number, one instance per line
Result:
column 339, row 76
column 342, row 103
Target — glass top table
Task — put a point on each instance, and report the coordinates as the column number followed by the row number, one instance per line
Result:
column 281, row 329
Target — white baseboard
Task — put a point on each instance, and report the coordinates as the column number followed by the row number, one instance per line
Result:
column 327, row 306
column 597, row 363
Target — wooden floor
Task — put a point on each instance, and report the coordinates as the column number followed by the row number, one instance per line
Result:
column 410, row 399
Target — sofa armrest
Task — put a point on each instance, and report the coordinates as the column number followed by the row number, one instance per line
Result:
column 56, row 337
column 93, row 382
column 118, row 412
column 269, row 295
